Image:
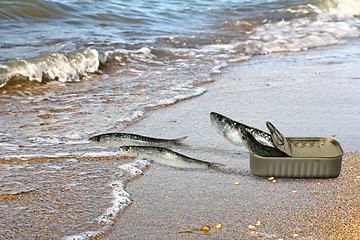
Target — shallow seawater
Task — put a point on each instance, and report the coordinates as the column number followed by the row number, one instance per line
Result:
column 49, row 199
column 73, row 69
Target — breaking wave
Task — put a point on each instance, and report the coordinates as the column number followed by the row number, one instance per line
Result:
column 58, row 66
column 302, row 27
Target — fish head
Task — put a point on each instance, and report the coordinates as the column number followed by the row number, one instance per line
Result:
column 245, row 135
column 220, row 122
column 102, row 138
column 129, row 151
column 95, row 139
column 226, row 127
column 247, row 138
column 252, row 144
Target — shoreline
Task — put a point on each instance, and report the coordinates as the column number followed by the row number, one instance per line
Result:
column 293, row 91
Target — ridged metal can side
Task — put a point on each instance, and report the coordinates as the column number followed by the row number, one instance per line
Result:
column 316, row 162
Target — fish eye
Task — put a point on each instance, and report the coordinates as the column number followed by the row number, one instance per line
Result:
column 95, row 139
column 126, row 149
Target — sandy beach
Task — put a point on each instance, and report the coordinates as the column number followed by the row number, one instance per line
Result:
column 73, row 71
column 313, row 93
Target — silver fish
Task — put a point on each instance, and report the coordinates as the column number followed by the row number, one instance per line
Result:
column 255, row 147
column 231, row 130
column 120, row 139
column 167, row 157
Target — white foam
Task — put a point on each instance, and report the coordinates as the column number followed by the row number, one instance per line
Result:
column 64, row 67
column 300, row 34
column 121, row 198
column 331, row 23
column 189, row 89
column 216, row 69
column 72, row 138
column 118, row 55
column 123, row 57
column 345, row 8
column 133, row 117
column 196, row 92
column 218, row 47
column 168, row 101
column 74, row 135
column 86, row 235
column 92, row 154
column 239, row 59
column 48, row 140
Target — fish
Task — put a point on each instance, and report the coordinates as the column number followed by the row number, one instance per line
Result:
column 231, row 130
column 168, row 157
column 255, row 147
column 116, row 140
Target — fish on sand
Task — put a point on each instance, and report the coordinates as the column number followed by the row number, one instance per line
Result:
column 167, row 157
column 120, row 139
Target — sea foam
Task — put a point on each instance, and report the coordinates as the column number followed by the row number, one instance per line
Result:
column 63, row 67
column 121, row 198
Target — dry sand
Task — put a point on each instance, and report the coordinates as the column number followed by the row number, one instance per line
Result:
column 313, row 93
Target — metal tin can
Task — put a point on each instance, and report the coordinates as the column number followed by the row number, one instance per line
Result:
column 315, row 158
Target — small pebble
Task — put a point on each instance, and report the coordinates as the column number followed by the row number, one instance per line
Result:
column 294, row 191
column 204, row 228
column 271, row 178
column 236, row 183
column 218, row 226
column 274, row 181
column 295, row 235
column 258, row 223
column 333, row 135
column 252, row 227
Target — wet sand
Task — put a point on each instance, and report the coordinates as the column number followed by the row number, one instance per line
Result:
column 313, row 93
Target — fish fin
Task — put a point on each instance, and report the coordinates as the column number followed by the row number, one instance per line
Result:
column 216, row 166
column 179, row 141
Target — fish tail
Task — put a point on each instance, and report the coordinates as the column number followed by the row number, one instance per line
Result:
column 179, row 141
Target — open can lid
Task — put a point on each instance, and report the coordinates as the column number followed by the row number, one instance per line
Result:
column 281, row 142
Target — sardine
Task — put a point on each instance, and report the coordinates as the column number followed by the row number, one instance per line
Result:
column 231, row 130
column 167, row 157
column 120, row 139
column 255, row 147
